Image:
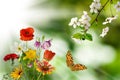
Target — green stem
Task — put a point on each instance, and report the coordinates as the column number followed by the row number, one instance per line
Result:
column 100, row 12
column 43, row 77
column 23, row 78
column 39, row 76
column 39, row 52
column 26, row 44
column 111, row 8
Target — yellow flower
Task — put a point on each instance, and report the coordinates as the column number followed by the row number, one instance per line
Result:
column 17, row 72
column 19, row 48
column 30, row 54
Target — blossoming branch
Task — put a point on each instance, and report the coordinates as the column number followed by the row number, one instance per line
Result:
column 85, row 22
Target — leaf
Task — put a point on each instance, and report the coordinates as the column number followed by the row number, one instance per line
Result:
column 88, row 37
column 77, row 36
column 82, row 36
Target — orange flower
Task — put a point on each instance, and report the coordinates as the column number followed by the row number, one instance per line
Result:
column 26, row 34
column 48, row 55
column 44, row 67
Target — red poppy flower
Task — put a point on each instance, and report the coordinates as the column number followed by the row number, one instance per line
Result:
column 26, row 34
column 48, row 55
column 11, row 56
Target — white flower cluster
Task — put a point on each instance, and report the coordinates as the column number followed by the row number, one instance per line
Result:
column 117, row 6
column 85, row 20
column 95, row 6
column 104, row 32
column 82, row 22
column 74, row 22
column 109, row 19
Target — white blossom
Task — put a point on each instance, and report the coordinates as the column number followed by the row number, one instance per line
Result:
column 74, row 22
column 96, row 0
column 84, row 20
column 17, row 47
column 109, row 19
column 104, row 32
column 85, row 16
column 117, row 6
column 95, row 6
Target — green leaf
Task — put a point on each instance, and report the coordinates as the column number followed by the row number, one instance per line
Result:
column 88, row 37
column 77, row 35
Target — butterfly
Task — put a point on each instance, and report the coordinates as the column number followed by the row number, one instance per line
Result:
column 71, row 65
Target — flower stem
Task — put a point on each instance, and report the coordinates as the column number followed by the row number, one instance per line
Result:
column 43, row 77
column 26, row 45
column 100, row 12
column 39, row 76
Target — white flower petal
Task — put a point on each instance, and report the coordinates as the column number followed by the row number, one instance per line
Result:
column 104, row 32
column 74, row 25
column 117, row 6
column 84, row 20
column 110, row 19
column 95, row 6
column 96, row 0
column 104, row 23
column 74, row 22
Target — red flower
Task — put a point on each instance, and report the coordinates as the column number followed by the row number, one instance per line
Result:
column 11, row 56
column 48, row 55
column 26, row 34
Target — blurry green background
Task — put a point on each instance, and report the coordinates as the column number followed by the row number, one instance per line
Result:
column 101, row 56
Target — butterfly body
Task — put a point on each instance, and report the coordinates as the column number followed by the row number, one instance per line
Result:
column 71, row 65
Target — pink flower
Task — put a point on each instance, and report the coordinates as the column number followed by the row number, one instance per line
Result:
column 30, row 65
column 46, row 44
column 37, row 44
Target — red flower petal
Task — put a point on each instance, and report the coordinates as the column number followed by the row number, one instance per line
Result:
column 48, row 55
column 26, row 34
column 11, row 56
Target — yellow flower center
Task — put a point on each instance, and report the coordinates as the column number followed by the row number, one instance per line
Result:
column 19, row 48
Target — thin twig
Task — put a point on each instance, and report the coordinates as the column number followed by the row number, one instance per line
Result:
column 111, row 8
column 99, row 12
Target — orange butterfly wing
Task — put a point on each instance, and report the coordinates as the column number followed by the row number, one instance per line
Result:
column 71, row 65
column 69, row 59
column 78, row 67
